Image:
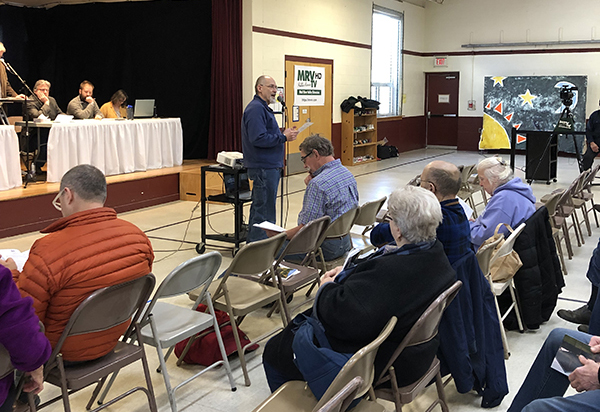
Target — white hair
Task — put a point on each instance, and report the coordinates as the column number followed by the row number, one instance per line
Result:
column 417, row 213
column 495, row 170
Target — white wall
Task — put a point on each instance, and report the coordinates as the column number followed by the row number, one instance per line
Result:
column 458, row 22
column 348, row 20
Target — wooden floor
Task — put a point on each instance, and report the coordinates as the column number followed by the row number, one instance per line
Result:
column 43, row 188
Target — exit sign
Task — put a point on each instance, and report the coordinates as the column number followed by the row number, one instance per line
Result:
column 440, row 61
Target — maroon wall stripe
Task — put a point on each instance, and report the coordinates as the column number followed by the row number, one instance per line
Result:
column 501, row 52
column 302, row 36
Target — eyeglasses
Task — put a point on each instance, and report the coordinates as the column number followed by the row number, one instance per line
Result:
column 303, row 158
column 56, row 201
column 270, row 86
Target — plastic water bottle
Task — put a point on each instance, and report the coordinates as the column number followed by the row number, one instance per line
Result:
column 129, row 112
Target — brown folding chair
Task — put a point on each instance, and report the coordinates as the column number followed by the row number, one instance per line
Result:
column 424, row 330
column 367, row 217
column 336, row 230
column 307, row 273
column 239, row 296
column 102, row 310
column 296, row 396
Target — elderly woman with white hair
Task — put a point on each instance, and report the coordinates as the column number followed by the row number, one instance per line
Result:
column 512, row 200
column 354, row 304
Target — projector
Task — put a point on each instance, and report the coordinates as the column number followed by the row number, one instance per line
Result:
column 231, row 159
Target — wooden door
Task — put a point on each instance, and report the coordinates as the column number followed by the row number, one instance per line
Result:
column 441, row 109
column 320, row 116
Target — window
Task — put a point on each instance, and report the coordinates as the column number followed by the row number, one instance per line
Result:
column 386, row 61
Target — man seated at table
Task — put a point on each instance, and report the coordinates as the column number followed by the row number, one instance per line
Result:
column 89, row 248
column 84, row 106
column 48, row 107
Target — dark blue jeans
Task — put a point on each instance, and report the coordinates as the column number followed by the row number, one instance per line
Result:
column 264, row 197
column 543, row 388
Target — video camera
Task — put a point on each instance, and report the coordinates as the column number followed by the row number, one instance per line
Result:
column 566, row 95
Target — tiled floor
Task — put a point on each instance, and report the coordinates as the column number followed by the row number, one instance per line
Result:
column 211, row 391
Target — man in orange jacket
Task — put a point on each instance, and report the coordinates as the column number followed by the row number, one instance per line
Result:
column 86, row 250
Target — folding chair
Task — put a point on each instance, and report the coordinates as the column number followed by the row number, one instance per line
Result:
column 305, row 242
column 296, row 396
column 424, row 330
column 342, row 400
column 102, row 310
column 239, row 296
column 165, row 324
column 367, row 217
column 336, row 230
column 499, row 287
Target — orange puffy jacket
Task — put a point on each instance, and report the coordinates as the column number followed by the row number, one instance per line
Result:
column 82, row 253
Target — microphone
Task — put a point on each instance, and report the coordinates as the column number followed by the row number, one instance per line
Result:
column 280, row 100
column 6, row 65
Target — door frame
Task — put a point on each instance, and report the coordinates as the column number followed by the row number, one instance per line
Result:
column 313, row 60
column 425, row 111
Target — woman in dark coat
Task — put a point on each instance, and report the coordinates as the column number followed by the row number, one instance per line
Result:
column 355, row 304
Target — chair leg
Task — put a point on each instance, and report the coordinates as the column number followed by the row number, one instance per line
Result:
column 586, row 217
column 151, row 396
column 560, row 254
column 439, row 385
column 578, row 233
column 512, row 289
column 63, row 384
column 220, row 342
column 238, row 345
column 95, row 393
column 163, row 364
column 567, row 238
column 595, row 213
column 107, row 388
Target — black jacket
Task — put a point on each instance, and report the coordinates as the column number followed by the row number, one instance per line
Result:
column 540, row 279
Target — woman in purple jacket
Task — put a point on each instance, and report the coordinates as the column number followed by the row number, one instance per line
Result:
column 21, row 337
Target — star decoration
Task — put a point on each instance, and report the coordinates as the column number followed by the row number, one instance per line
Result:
column 498, row 80
column 527, row 98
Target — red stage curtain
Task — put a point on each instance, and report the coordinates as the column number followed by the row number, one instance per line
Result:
column 226, row 78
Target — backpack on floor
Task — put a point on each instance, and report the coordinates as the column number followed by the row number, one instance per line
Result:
column 205, row 350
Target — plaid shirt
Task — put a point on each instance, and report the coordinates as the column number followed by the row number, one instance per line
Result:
column 455, row 231
column 331, row 192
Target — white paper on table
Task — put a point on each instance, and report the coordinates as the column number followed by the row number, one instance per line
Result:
column 304, row 126
column 19, row 257
column 269, row 226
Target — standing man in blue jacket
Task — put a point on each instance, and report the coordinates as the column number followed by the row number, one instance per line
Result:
column 264, row 147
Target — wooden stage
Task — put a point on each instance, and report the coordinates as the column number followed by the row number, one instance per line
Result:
column 24, row 210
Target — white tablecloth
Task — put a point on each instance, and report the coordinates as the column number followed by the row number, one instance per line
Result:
column 114, row 147
column 10, row 167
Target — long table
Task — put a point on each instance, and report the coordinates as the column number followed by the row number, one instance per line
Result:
column 114, row 146
column 10, row 168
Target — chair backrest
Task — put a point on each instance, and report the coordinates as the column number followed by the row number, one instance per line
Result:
column 307, row 238
column 415, row 181
column 591, row 176
column 360, row 364
column 256, row 257
column 426, row 327
column 106, row 308
column 342, row 225
column 6, row 366
column 552, row 202
column 341, row 400
column 484, row 255
column 580, row 182
column 197, row 272
column 368, row 212
column 507, row 247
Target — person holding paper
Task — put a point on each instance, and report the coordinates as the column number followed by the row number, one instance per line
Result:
column 331, row 190
column 544, row 387
column 264, row 147
column 89, row 248
column 354, row 304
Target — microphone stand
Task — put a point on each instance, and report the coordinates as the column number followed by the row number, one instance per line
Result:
column 30, row 172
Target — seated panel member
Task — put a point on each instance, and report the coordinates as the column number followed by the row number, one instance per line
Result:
column 89, row 248
column 47, row 104
column 116, row 108
column 84, row 106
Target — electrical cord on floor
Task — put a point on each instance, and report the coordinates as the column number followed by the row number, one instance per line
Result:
column 187, row 227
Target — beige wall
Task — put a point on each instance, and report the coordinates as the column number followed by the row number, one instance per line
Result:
column 347, row 20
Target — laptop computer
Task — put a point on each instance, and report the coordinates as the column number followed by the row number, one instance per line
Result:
column 143, row 109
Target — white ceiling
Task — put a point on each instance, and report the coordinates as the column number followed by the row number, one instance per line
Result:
column 52, row 3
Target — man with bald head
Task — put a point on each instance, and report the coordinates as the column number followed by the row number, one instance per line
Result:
column 443, row 180
column 264, row 147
